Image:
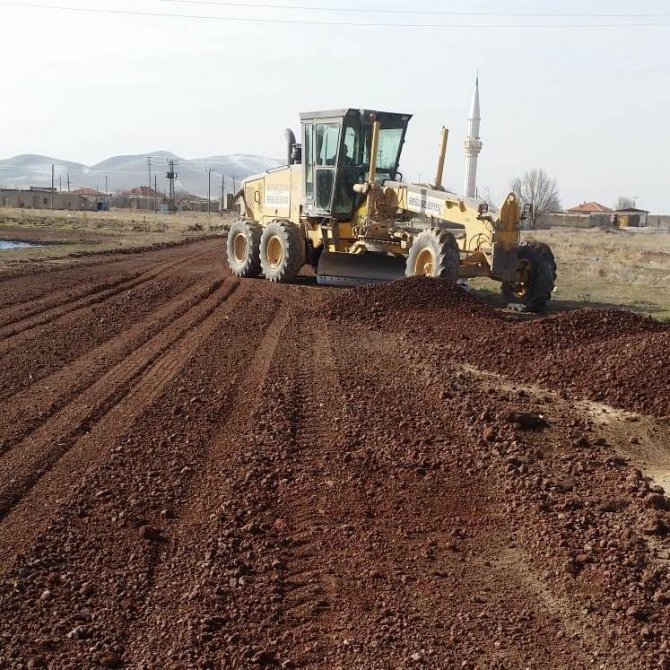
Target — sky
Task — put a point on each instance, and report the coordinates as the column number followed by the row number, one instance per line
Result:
column 586, row 98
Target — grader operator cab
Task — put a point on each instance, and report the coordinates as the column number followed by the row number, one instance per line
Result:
column 341, row 205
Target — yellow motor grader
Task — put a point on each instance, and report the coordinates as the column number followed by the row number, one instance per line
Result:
column 341, row 205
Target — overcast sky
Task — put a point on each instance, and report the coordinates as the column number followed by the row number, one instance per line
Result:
column 590, row 105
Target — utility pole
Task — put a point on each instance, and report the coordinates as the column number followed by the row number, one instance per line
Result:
column 68, row 182
column 209, row 191
column 60, row 182
column 149, row 189
column 155, row 190
column 171, row 175
column 52, row 187
column 106, row 185
column 223, row 195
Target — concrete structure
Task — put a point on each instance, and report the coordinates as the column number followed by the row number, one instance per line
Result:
column 630, row 217
column 472, row 145
column 144, row 197
column 228, row 203
column 566, row 220
column 95, row 201
column 658, row 221
column 40, row 198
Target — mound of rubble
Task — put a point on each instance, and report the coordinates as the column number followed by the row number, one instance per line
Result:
column 611, row 356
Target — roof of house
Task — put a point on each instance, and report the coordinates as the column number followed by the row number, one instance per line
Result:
column 87, row 191
column 144, row 190
column 633, row 210
column 590, row 208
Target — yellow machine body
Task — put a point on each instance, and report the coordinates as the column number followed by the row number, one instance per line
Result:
column 347, row 196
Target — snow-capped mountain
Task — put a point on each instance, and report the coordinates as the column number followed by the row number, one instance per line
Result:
column 125, row 172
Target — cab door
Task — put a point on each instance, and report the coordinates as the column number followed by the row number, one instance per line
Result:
column 321, row 144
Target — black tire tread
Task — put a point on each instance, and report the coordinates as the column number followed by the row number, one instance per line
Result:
column 253, row 232
column 543, row 265
column 447, row 255
column 294, row 255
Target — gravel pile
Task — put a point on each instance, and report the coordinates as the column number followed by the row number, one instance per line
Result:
column 612, row 356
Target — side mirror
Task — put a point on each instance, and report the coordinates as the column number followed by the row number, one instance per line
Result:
column 483, row 209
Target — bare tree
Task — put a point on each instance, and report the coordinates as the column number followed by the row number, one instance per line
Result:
column 537, row 189
column 485, row 195
column 624, row 202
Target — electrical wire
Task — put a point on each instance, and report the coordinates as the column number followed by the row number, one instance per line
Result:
column 328, row 24
column 420, row 12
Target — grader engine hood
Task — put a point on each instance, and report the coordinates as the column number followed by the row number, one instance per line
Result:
column 276, row 194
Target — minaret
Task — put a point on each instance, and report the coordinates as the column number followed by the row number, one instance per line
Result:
column 473, row 145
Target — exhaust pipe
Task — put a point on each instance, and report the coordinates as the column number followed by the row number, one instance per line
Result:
column 290, row 142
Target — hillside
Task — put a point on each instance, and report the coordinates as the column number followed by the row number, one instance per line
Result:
column 126, row 172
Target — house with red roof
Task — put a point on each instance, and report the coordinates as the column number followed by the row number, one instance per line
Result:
column 93, row 199
column 588, row 208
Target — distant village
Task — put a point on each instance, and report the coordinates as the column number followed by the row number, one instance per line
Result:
column 594, row 215
column 586, row 215
column 89, row 199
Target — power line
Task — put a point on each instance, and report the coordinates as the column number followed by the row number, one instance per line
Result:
column 420, row 12
column 328, row 24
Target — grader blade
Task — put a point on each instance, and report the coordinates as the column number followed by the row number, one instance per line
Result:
column 343, row 269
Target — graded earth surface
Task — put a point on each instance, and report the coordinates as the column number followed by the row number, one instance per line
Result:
column 198, row 471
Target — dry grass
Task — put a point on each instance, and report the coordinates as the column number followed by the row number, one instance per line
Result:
column 598, row 268
column 614, row 268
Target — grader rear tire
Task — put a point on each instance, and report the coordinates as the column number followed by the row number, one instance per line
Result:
column 243, row 248
column 536, row 277
column 434, row 253
column 282, row 251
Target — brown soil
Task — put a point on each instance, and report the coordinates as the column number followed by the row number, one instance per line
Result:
column 203, row 472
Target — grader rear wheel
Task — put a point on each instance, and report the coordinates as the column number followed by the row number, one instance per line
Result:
column 243, row 248
column 282, row 251
column 535, row 277
column 434, row 253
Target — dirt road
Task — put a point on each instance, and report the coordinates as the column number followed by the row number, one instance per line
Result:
column 202, row 472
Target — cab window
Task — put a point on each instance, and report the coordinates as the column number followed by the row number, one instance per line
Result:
column 389, row 146
column 308, row 163
column 327, row 137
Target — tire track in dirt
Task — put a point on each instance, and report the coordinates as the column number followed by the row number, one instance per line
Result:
column 14, row 334
column 191, row 535
column 37, row 272
column 23, row 412
column 62, row 342
column 309, row 610
column 93, row 528
column 30, row 307
column 27, row 462
column 399, row 526
column 51, row 287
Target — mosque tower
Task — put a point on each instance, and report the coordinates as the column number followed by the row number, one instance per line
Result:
column 473, row 145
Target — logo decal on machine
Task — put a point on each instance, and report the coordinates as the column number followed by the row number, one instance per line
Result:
column 277, row 195
column 425, row 204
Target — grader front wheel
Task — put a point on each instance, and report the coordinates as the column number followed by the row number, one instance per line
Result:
column 535, row 277
column 434, row 253
column 282, row 251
